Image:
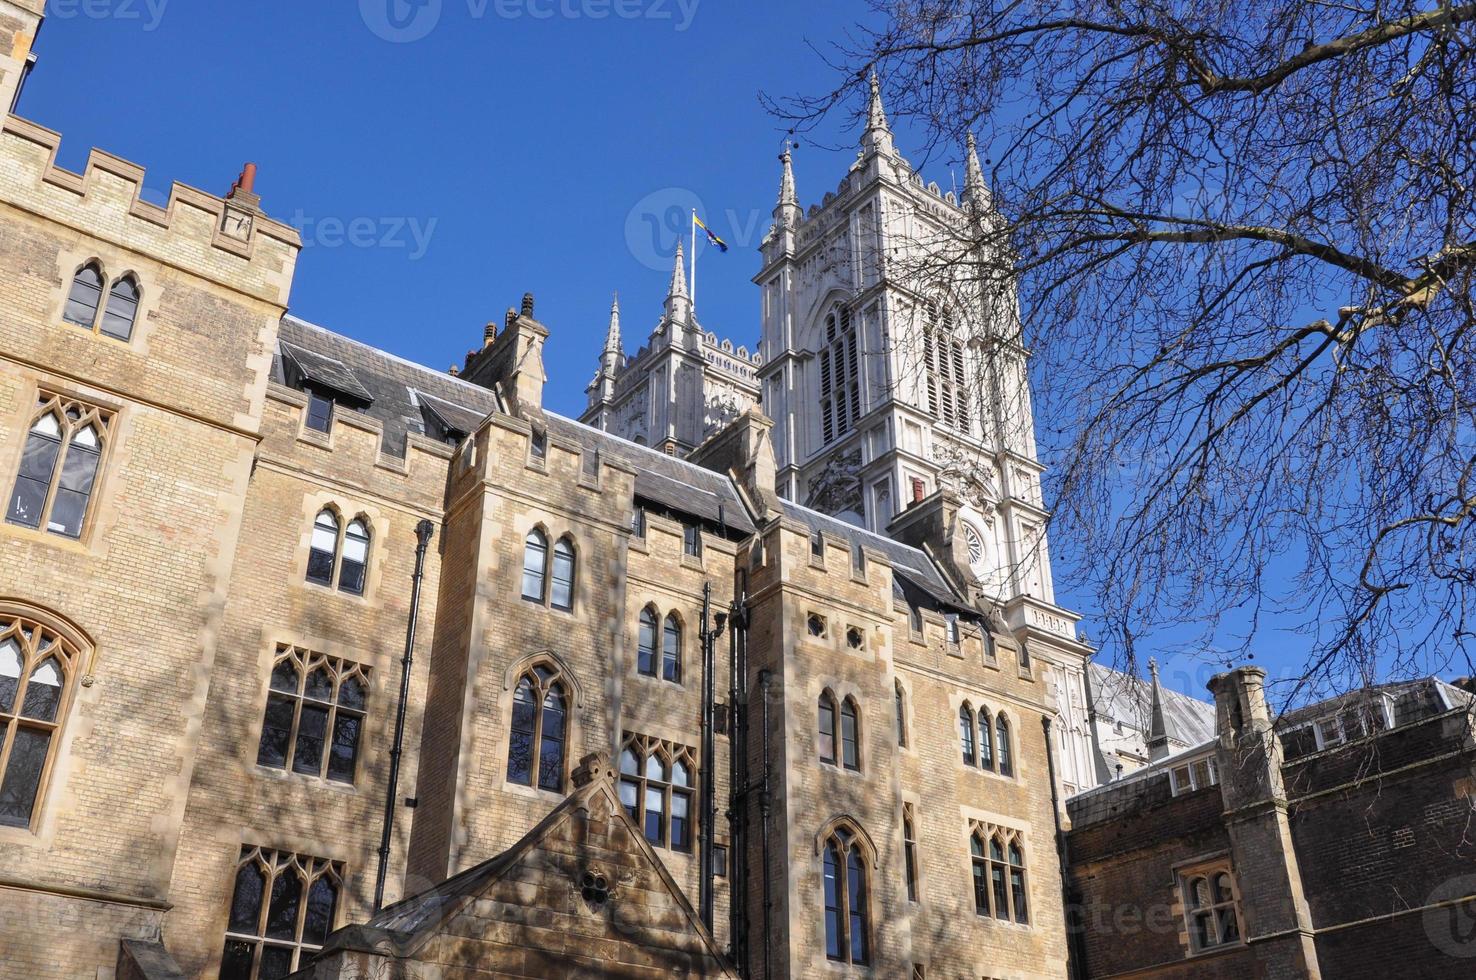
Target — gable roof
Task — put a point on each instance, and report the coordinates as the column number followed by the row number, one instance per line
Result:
column 406, row 927
column 1119, row 696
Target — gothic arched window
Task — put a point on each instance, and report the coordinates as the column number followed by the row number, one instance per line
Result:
column 562, row 594
column 38, row 668
column 283, row 907
column 943, row 363
column 657, row 782
column 535, row 565
column 840, row 376
column 671, row 649
column 986, row 739
column 59, row 465
column 827, row 727
column 337, row 553
column 539, row 731
column 85, row 296
column 314, row 715
column 1003, row 748
column 966, row 733
column 122, row 308
column 646, row 643
column 850, row 719
column 847, row 915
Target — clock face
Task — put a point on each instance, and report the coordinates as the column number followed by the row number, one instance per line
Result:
column 975, row 545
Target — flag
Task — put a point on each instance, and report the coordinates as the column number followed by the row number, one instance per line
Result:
column 710, row 236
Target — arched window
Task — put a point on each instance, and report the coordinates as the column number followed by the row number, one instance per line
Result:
column 840, row 386
column 997, row 857
column 909, row 851
column 535, row 755
column 314, row 715
column 535, row 565
column 85, row 296
column 657, row 782
column 562, row 595
column 1002, row 735
column 323, row 551
column 981, row 873
column 117, row 321
column 59, row 465
column 850, row 735
column 339, row 555
column 827, row 727
column 1210, row 906
column 966, row 733
column 1020, row 903
column 901, row 708
column 37, row 670
column 282, row 909
column 355, row 558
column 671, row 649
column 846, row 912
column 997, row 873
column 943, row 362
column 646, row 643
column 986, row 739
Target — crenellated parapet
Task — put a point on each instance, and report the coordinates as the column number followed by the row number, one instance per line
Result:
column 195, row 232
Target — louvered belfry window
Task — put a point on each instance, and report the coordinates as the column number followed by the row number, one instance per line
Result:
column 840, row 377
column 943, row 361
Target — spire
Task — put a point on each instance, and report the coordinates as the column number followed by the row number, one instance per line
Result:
column 976, row 191
column 787, row 212
column 678, row 300
column 612, row 336
column 878, row 135
column 1158, row 742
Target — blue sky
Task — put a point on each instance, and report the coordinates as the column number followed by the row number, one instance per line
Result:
column 482, row 148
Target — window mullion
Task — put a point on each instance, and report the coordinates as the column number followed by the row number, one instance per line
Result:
column 56, row 475
column 535, row 763
column 296, row 717
column 843, row 873
column 7, row 741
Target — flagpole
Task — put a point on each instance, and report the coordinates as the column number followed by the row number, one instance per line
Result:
column 693, row 286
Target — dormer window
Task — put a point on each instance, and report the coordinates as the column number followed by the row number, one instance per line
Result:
column 319, row 412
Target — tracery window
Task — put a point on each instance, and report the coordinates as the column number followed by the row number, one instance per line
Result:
column 1210, row 905
column 997, row 856
column 943, row 362
column 840, row 387
column 339, row 554
column 847, row 915
column 539, row 731
column 38, row 668
column 657, row 786
column 59, row 465
column 283, row 907
column 314, row 715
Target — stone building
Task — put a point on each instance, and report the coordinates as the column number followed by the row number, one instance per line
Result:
column 318, row 618
column 1334, row 841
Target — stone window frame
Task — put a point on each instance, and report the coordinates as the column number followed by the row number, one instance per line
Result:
column 72, row 417
column 1210, row 871
column 564, row 546
column 338, row 557
column 998, row 848
column 946, row 376
column 643, row 749
column 340, row 671
column 902, row 720
column 911, row 860
column 271, row 864
column 990, row 745
column 41, row 637
column 846, row 835
column 573, row 701
column 838, row 375
column 102, row 307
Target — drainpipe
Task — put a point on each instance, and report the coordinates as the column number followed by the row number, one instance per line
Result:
column 1074, row 958
column 423, row 532
column 765, row 678
column 709, row 759
column 738, row 782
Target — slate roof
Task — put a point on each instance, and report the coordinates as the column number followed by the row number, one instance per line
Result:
column 326, row 371
column 1413, row 700
column 1117, row 696
column 392, row 385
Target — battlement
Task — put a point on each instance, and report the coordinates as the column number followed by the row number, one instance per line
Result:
column 197, row 232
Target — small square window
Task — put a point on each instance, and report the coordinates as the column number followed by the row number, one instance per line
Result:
column 638, row 522
column 815, row 624
column 952, row 621
column 538, row 445
column 720, row 860
column 692, row 540
column 855, row 638
column 319, row 412
column 817, row 545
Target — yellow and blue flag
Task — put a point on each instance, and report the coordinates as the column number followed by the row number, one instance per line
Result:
column 710, row 236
